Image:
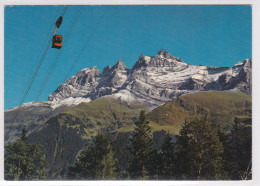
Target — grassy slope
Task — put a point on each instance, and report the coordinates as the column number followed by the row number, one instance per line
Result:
column 105, row 113
column 220, row 107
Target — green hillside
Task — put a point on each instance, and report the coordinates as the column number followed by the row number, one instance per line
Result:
column 64, row 135
column 102, row 114
column 220, row 107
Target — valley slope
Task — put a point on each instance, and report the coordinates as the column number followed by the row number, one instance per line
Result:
column 64, row 135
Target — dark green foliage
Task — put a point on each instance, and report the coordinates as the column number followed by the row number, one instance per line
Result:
column 121, row 143
column 61, row 145
column 158, row 139
column 24, row 161
column 23, row 136
column 199, row 151
column 96, row 162
column 168, row 160
column 123, row 175
column 238, row 152
column 154, row 163
column 141, row 149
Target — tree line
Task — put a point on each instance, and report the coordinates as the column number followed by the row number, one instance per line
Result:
column 201, row 152
column 24, row 161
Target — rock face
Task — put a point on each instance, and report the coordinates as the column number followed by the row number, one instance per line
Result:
column 238, row 77
column 32, row 115
column 89, row 83
column 29, row 115
column 153, row 80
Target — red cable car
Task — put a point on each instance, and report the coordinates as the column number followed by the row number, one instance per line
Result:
column 57, row 41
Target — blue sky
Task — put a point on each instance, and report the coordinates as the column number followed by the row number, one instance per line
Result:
column 213, row 35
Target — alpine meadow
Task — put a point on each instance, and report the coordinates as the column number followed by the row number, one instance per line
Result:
column 173, row 101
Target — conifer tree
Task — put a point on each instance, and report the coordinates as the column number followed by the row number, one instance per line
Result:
column 238, row 151
column 96, row 161
column 24, row 161
column 141, row 149
column 199, row 151
column 154, row 165
column 23, row 136
column 167, row 168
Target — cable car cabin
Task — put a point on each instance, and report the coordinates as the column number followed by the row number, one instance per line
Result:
column 57, row 41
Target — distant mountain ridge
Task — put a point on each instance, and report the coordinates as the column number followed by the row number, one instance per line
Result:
column 152, row 81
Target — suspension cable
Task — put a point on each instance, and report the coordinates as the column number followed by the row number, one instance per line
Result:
column 56, row 59
column 86, row 44
column 84, row 47
column 36, row 70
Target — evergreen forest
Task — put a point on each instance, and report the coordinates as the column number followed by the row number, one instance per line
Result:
column 201, row 151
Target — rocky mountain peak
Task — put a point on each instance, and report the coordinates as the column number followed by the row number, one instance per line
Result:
column 246, row 63
column 163, row 54
column 88, row 72
column 120, row 65
column 162, row 59
column 142, row 61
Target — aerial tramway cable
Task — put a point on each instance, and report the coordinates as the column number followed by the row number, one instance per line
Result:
column 85, row 45
column 56, row 58
column 37, row 68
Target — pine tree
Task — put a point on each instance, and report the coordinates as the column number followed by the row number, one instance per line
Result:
column 23, row 136
column 154, row 166
column 96, row 161
column 24, row 161
column 224, row 138
column 199, row 151
column 167, row 168
column 141, row 149
column 238, row 151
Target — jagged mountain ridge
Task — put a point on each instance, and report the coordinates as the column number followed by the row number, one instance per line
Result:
column 154, row 80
